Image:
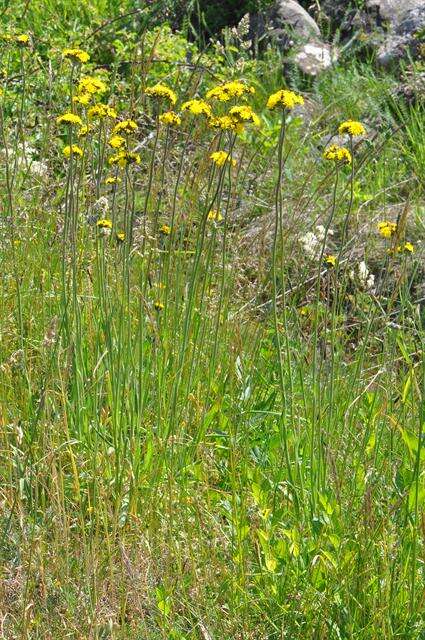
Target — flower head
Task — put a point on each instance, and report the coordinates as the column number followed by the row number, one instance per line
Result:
column 112, row 180
column 104, row 223
column 91, row 84
column 23, row 39
column 244, row 114
column 352, row 127
column 70, row 118
column 337, row 154
column 221, row 157
column 228, row 90
column 126, row 126
column 224, row 123
column 116, row 142
column 165, row 230
column 214, row 216
column 159, row 306
column 76, row 55
column 72, row 149
column 83, row 99
column 120, row 236
column 101, row 111
column 285, row 99
column 197, row 107
column 170, row 118
column 163, row 92
column 84, row 130
column 407, row 247
column 330, row 261
column 123, row 158
column 387, row 229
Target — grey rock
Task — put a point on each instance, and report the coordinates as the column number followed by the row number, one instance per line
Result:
column 393, row 11
column 289, row 14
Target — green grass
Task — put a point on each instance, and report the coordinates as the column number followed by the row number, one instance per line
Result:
column 244, row 459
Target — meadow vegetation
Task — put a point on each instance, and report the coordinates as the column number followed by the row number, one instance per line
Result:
column 211, row 360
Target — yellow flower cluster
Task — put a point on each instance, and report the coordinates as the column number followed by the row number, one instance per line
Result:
column 91, row 85
column 112, row 180
column 104, row 223
column 69, row 118
column 102, row 111
column 197, row 107
column 76, row 55
column 352, row 127
column 244, row 114
column 285, row 99
column 387, row 229
column 170, row 118
column 72, row 149
column 126, row 126
column 165, row 230
column 229, row 90
column 407, row 247
column 221, row 157
column 123, row 158
column 162, row 91
column 330, row 261
column 214, row 216
column 116, row 142
column 337, row 154
column 84, row 130
column 223, row 122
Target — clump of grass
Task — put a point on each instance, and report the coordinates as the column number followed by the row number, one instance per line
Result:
column 212, row 357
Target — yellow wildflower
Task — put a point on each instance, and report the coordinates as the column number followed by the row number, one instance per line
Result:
column 162, row 91
column 214, row 216
column 116, row 142
column 91, row 84
column 158, row 305
column 84, row 130
column 170, row 118
column 83, row 99
column 120, row 235
column 104, row 223
column 338, row 154
column 223, row 122
column 23, row 39
column 243, row 114
column 352, row 127
column 330, row 261
column 165, row 230
column 126, row 126
column 197, row 107
column 112, row 180
column 221, row 157
column 76, row 55
column 101, row 111
column 387, row 229
column 70, row 118
column 407, row 247
column 228, row 90
column 72, row 149
column 123, row 158
column 285, row 99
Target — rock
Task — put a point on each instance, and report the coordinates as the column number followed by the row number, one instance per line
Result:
column 314, row 57
column 297, row 35
column 406, row 35
column 392, row 11
column 289, row 15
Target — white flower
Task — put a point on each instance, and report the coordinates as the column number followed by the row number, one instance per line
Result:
column 362, row 275
column 310, row 244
